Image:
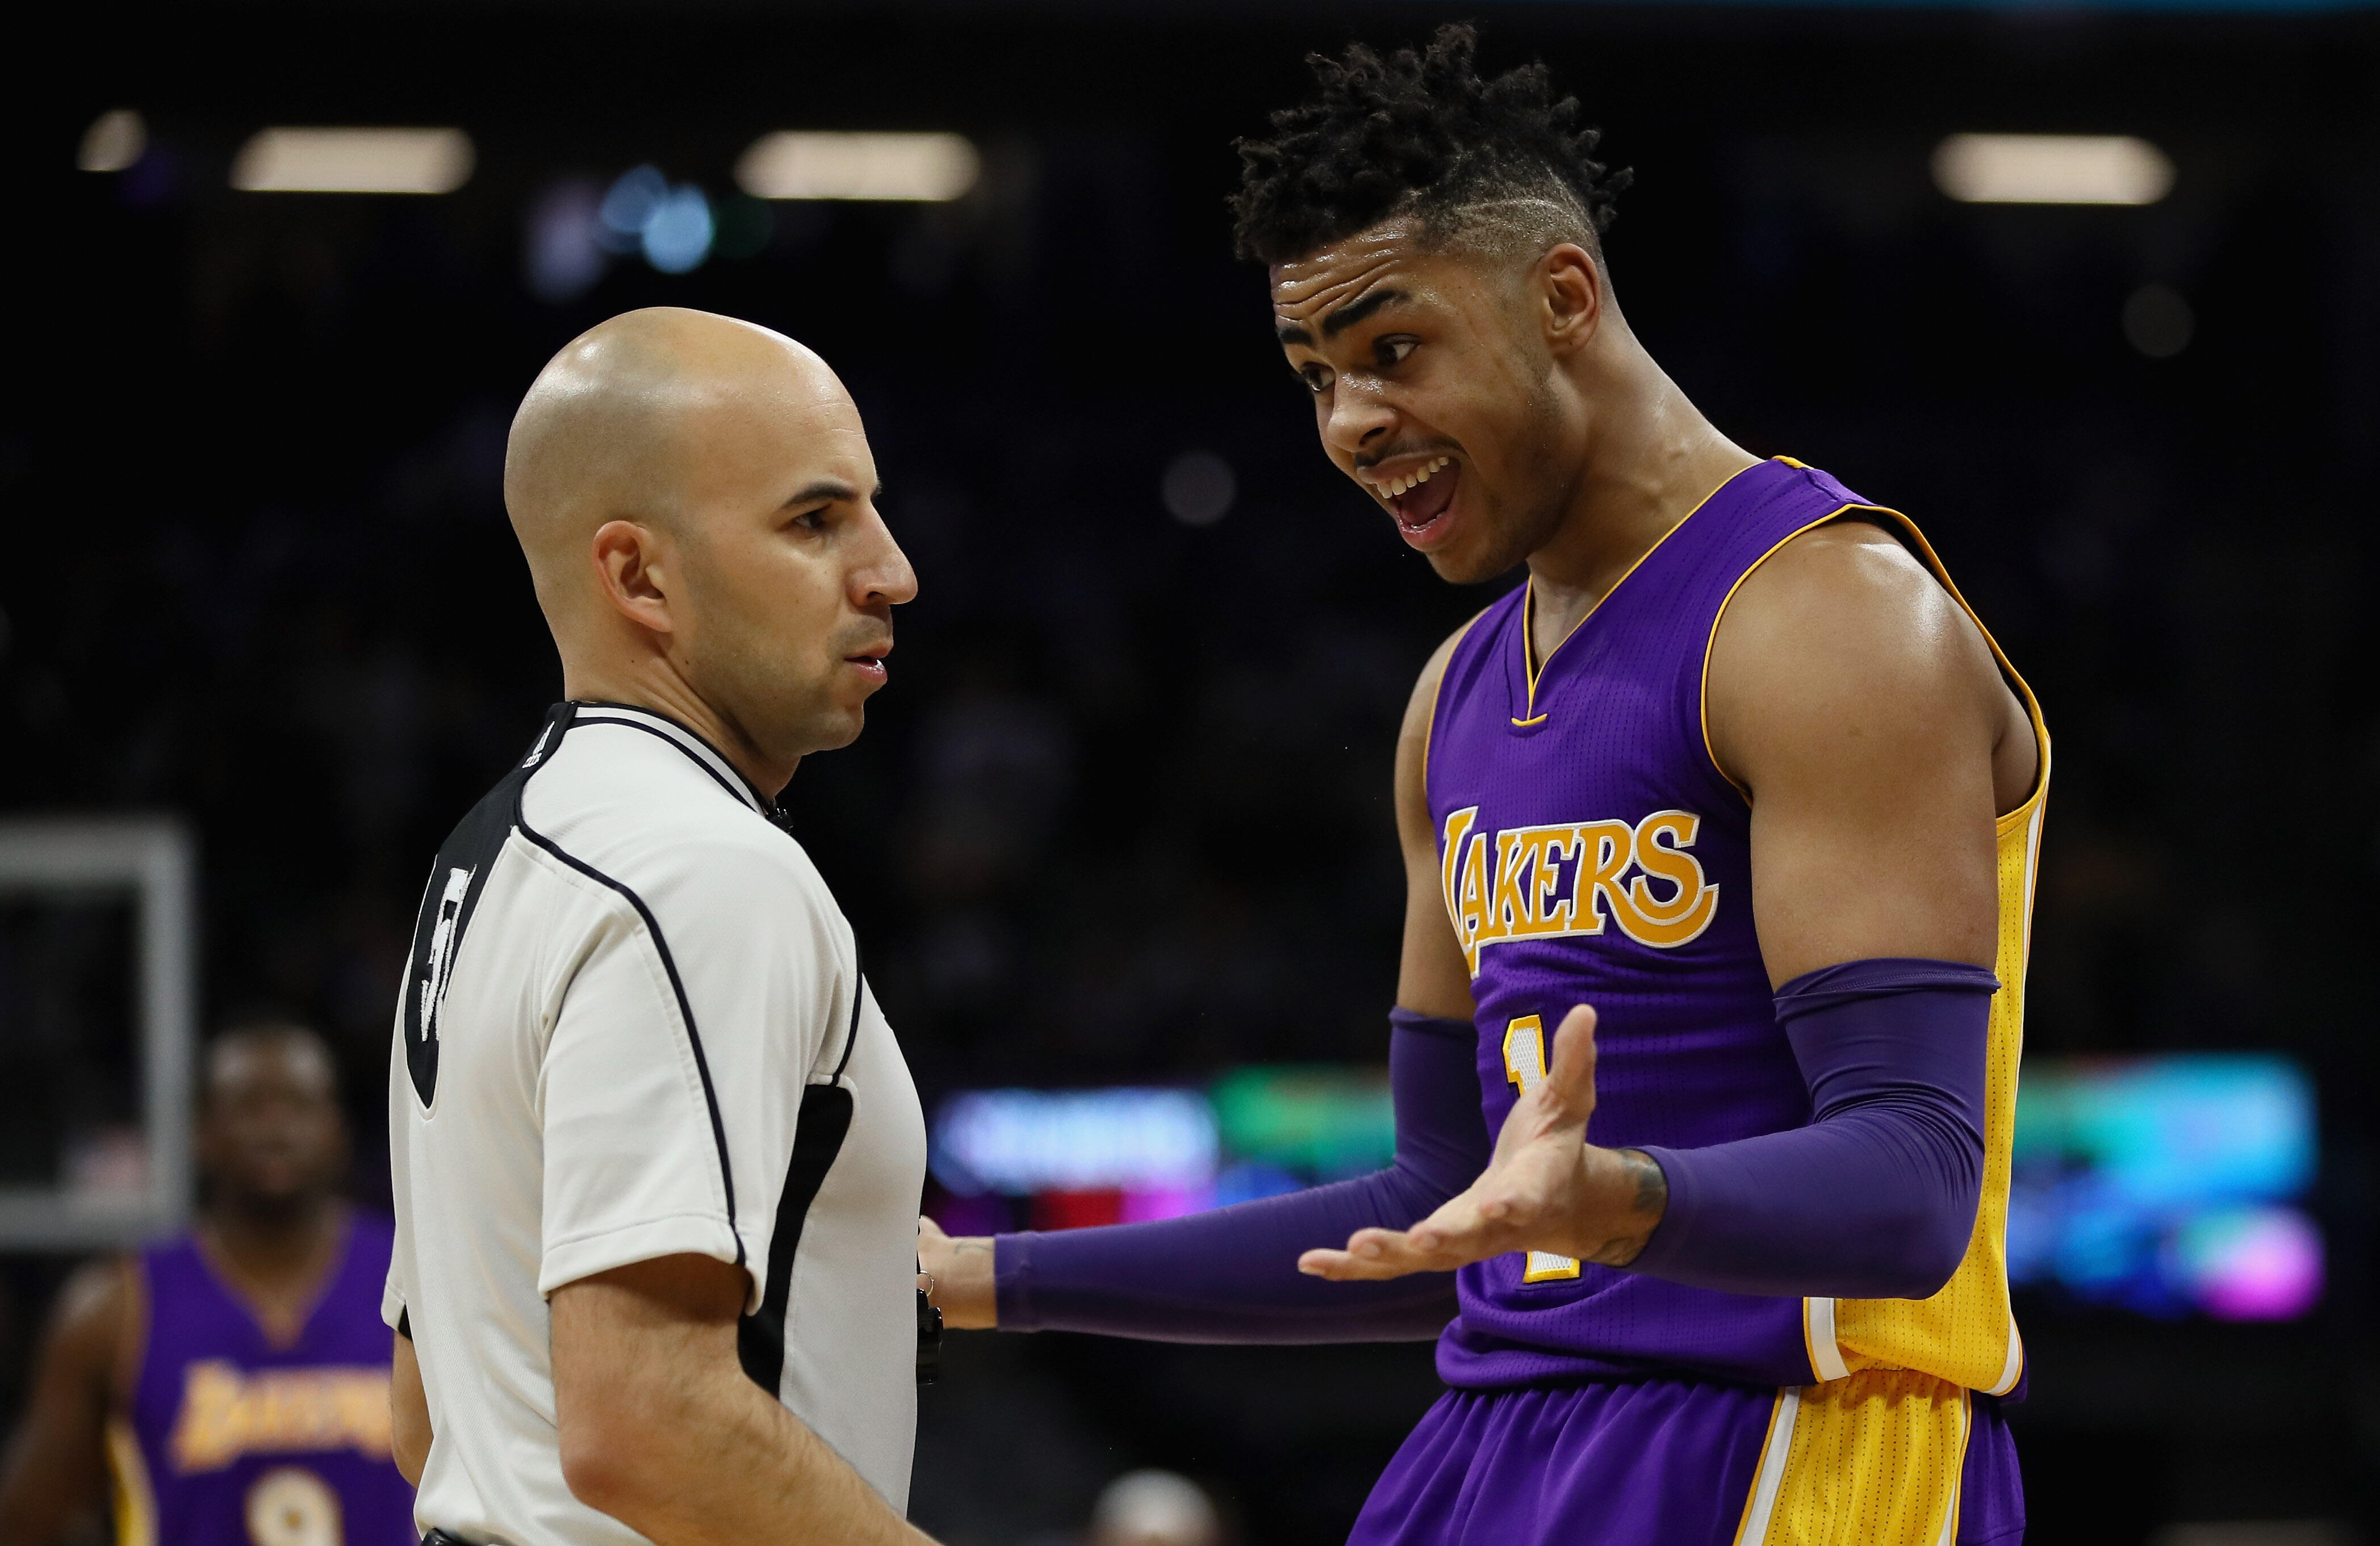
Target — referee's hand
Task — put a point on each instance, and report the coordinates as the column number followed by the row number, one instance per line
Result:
column 1546, row 1188
column 957, row 1277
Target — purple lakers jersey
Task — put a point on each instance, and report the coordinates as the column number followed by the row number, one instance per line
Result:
column 232, row 1441
column 1593, row 852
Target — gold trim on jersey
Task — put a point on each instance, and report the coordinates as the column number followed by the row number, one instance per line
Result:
column 134, row 1500
column 1534, row 668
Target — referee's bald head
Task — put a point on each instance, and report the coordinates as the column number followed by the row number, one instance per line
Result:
column 696, row 499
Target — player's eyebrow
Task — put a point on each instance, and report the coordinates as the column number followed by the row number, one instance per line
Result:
column 1347, row 316
column 1340, row 320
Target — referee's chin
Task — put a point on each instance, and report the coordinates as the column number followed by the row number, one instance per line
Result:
column 830, row 726
column 845, row 730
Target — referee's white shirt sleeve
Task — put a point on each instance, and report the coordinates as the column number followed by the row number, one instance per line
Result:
column 728, row 969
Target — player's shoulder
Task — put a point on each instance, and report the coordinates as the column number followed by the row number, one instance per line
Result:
column 1843, row 586
column 1846, row 613
column 95, row 1307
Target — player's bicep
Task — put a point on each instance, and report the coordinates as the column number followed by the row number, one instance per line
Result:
column 1854, row 699
column 1432, row 977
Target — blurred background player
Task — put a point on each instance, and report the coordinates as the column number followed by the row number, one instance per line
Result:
column 1735, row 768
column 232, row 1385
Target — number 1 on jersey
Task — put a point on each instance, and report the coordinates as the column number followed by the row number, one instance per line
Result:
column 1525, row 1067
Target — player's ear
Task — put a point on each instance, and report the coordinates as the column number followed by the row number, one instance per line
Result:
column 1571, row 292
column 628, row 557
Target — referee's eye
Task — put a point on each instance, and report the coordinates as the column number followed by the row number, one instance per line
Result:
column 812, row 520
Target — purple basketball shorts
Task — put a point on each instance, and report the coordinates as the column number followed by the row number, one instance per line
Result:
column 1885, row 1457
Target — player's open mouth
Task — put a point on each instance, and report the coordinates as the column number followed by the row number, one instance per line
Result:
column 1420, row 498
column 871, row 662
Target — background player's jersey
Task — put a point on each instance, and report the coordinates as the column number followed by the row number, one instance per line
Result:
column 1593, row 852
column 232, row 1441
column 634, row 1027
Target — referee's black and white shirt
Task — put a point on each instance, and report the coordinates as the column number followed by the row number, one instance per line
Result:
column 634, row 1026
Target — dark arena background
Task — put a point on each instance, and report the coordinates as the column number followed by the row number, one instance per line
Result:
column 1118, row 837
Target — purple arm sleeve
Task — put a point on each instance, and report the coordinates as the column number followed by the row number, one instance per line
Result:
column 1875, row 1199
column 1231, row 1276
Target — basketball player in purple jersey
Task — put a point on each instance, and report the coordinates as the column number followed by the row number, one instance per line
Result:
column 232, row 1384
column 1720, row 836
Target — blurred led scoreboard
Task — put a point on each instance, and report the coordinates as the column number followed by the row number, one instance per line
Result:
column 1074, row 1158
column 2166, row 1185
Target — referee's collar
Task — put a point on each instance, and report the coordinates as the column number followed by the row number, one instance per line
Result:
column 685, row 739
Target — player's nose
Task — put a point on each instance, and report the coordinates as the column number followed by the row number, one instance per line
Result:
column 1358, row 419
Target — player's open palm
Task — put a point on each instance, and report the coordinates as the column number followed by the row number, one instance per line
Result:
column 1544, row 1190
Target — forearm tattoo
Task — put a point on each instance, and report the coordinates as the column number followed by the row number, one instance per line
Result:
column 1650, row 1200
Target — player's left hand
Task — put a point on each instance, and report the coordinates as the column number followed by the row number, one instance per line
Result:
column 1546, row 1188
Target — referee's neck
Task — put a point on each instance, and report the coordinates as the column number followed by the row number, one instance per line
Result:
column 671, row 697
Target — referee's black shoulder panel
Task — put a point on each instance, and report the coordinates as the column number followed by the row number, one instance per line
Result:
column 457, row 881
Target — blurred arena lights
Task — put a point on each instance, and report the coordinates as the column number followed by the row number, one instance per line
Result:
column 114, row 141
column 917, row 168
column 2168, row 1184
column 1028, row 1140
column 565, row 256
column 1199, row 488
column 670, row 223
column 2052, row 169
column 2158, row 322
column 353, row 161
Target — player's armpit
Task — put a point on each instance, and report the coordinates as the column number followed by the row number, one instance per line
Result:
column 1432, row 978
column 661, row 1427
column 57, row 1466
column 1864, row 712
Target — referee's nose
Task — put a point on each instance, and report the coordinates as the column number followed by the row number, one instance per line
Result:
column 880, row 576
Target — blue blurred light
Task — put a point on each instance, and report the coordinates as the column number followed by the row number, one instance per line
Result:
column 677, row 234
column 1252, row 1182
column 671, row 225
column 1022, row 1142
column 629, row 205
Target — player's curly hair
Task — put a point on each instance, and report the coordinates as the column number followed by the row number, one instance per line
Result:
column 1497, row 162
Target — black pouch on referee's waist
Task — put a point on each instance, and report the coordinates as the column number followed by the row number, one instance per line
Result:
column 930, row 1338
column 439, row 1538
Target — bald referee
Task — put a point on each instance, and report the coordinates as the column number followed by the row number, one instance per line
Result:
column 656, row 1157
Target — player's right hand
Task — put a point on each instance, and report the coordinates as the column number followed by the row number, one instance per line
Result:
column 1546, row 1188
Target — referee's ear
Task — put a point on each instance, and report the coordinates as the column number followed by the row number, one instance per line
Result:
column 633, row 567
